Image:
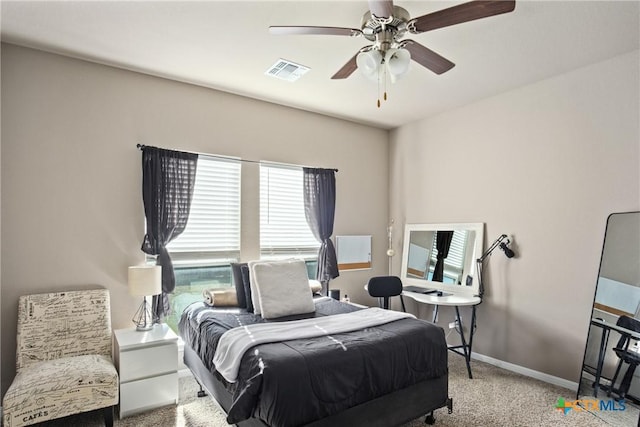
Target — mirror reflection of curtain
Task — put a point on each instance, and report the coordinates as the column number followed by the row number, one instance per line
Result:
column 443, row 243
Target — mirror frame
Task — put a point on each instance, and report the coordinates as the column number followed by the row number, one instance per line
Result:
column 607, row 229
column 474, row 289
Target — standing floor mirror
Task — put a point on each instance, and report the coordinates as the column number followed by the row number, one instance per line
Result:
column 614, row 329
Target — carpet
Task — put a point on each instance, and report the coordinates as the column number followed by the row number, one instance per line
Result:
column 494, row 397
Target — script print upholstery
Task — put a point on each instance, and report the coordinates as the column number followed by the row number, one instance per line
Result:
column 63, row 357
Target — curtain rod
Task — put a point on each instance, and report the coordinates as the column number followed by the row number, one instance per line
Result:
column 141, row 146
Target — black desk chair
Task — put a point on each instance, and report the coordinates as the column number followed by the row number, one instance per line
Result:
column 384, row 287
column 630, row 357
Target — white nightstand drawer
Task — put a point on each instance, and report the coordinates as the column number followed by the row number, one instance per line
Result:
column 146, row 362
column 150, row 393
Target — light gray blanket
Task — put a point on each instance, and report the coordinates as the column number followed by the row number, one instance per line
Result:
column 235, row 342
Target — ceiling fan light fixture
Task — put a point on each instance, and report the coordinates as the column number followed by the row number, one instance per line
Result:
column 368, row 63
column 397, row 62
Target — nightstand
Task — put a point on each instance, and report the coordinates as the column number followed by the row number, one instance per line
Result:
column 147, row 363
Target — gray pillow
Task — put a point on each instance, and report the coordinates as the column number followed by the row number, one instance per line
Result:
column 246, row 284
column 238, row 283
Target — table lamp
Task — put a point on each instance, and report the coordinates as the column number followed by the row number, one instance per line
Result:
column 145, row 280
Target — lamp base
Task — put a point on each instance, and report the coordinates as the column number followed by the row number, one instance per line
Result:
column 144, row 319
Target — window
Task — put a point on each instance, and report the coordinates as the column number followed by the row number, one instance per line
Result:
column 284, row 231
column 212, row 234
column 211, row 239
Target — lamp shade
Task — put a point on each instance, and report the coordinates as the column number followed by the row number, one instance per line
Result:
column 368, row 63
column 397, row 61
column 145, row 280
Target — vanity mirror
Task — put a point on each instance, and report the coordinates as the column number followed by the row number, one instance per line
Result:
column 617, row 296
column 453, row 272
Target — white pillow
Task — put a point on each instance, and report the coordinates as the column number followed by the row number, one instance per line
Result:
column 255, row 298
column 282, row 288
column 255, row 292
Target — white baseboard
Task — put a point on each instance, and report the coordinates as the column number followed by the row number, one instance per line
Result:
column 561, row 382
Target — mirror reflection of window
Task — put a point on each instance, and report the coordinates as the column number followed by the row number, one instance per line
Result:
column 454, row 262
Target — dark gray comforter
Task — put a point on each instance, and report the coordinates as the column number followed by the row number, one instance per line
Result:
column 295, row 382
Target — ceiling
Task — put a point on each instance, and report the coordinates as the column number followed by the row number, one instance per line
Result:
column 225, row 45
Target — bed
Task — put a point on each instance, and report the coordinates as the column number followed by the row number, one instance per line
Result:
column 384, row 374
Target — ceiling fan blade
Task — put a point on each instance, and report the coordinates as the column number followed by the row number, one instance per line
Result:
column 381, row 8
column 458, row 14
column 304, row 30
column 427, row 58
column 347, row 69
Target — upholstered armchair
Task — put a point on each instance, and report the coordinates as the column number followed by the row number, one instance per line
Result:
column 63, row 358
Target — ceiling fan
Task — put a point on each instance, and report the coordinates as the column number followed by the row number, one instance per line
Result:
column 385, row 25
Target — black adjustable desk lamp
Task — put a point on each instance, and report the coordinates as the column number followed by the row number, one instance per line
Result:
column 500, row 242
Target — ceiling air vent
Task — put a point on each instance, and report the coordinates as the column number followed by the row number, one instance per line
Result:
column 286, row 70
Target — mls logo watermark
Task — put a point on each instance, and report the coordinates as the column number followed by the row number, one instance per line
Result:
column 589, row 405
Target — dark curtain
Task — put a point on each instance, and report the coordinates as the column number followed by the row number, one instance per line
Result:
column 319, row 208
column 168, row 178
column 443, row 242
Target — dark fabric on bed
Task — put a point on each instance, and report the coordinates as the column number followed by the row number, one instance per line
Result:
column 239, row 283
column 308, row 379
column 246, row 282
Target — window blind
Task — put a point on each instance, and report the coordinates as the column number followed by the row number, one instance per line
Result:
column 212, row 234
column 283, row 226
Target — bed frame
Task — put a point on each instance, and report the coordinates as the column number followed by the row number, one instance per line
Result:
column 417, row 400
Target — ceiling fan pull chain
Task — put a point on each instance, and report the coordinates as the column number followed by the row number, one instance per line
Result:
column 378, row 89
column 385, row 83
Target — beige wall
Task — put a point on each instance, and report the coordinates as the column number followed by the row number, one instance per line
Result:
column 546, row 163
column 71, row 184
